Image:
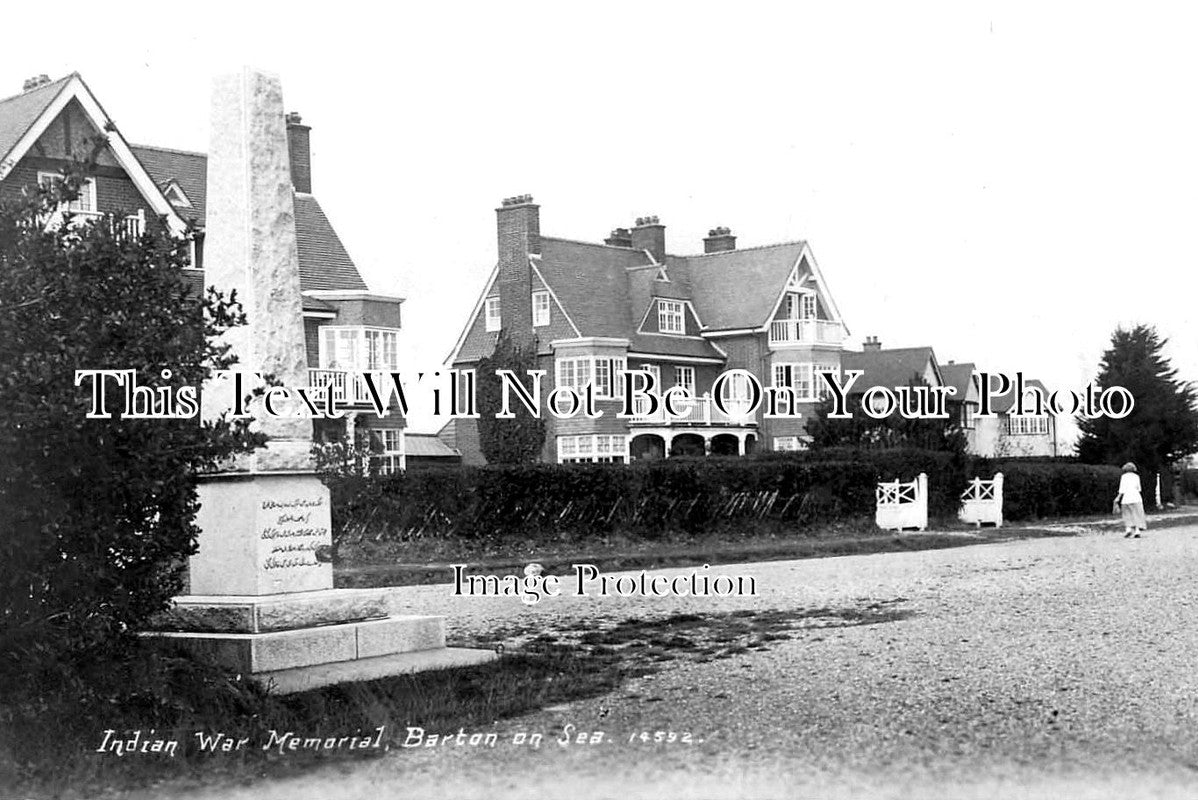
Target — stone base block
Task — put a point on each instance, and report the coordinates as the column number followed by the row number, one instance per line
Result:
column 300, row 679
column 272, row 651
column 276, row 612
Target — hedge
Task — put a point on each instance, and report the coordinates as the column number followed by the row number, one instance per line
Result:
column 542, row 501
column 1036, row 490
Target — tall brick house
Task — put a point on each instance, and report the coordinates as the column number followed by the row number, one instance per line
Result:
column 593, row 310
column 348, row 327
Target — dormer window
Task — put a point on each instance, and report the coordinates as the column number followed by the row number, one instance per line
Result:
column 176, row 196
column 540, row 308
column 494, row 321
column 670, row 316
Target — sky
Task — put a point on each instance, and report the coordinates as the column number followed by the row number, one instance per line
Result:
column 1005, row 182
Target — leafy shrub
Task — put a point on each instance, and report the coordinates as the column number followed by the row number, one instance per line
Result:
column 96, row 515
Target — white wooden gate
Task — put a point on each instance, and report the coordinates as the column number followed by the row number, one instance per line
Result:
column 982, row 502
column 903, row 505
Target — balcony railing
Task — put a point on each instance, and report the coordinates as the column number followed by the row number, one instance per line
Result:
column 132, row 225
column 348, row 388
column 806, row 331
column 695, row 411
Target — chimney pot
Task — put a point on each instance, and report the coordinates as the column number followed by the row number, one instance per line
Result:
column 649, row 234
column 620, row 237
column 35, row 81
column 719, row 239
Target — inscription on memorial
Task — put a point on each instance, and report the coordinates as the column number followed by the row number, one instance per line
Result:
column 292, row 530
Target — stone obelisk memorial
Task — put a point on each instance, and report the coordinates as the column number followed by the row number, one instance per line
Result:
column 261, row 597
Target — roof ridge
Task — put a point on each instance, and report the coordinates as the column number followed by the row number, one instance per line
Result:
column 38, row 88
column 169, row 150
column 591, row 244
column 745, row 249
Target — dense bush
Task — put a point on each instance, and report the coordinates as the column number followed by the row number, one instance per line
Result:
column 96, row 515
column 1034, row 490
column 1189, row 484
column 542, row 501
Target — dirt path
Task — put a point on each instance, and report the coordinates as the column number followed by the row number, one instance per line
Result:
column 1039, row 668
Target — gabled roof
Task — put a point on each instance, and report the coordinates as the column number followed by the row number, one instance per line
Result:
column 324, row 261
column 958, row 376
column 19, row 113
column 580, row 272
column 1001, row 404
column 890, row 368
column 738, row 288
column 33, row 112
column 427, row 445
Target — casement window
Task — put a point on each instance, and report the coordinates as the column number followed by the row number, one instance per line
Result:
column 387, row 450
column 540, row 309
column 685, row 377
column 359, row 349
column 785, row 444
column 736, row 394
column 600, row 371
column 494, row 321
column 967, row 411
column 642, row 402
column 1027, row 426
column 593, row 448
column 85, row 203
column 800, row 305
column 670, row 316
column 804, row 379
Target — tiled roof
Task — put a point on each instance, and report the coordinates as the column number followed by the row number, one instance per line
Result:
column 958, row 376
column 324, row 262
column 427, row 445
column 579, row 273
column 673, row 345
column 889, row 368
column 737, row 288
column 1001, row 404
column 188, row 169
column 19, row 112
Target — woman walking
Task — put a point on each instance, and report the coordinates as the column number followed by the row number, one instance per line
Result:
column 1131, row 502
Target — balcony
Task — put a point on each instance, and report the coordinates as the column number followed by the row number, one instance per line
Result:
column 131, row 226
column 696, row 411
column 805, row 331
column 348, row 388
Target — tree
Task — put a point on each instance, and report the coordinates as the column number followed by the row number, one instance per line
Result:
column 96, row 515
column 862, row 430
column 507, row 441
column 1163, row 425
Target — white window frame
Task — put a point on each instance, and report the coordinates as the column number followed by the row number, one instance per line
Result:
column 593, row 448
column 358, row 348
column 642, row 403
column 1027, row 426
column 671, row 316
column 967, row 420
column 87, row 189
column 540, row 308
column 796, row 375
column 685, row 377
column 391, row 457
column 494, row 314
column 577, row 372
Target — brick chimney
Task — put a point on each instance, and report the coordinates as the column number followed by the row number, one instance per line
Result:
column 519, row 232
column 718, row 240
column 871, row 344
column 35, row 81
column 649, row 234
column 620, row 237
column 300, row 151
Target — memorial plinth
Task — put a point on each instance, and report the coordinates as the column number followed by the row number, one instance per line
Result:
column 260, row 589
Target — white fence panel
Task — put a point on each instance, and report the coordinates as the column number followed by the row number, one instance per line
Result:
column 903, row 505
column 982, row 502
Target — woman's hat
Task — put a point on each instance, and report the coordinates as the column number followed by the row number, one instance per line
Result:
column 1130, row 467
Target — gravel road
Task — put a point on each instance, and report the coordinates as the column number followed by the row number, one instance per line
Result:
column 1035, row 668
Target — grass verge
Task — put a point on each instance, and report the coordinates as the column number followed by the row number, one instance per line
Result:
column 542, row 667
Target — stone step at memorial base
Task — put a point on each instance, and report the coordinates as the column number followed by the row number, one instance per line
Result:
column 304, row 640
